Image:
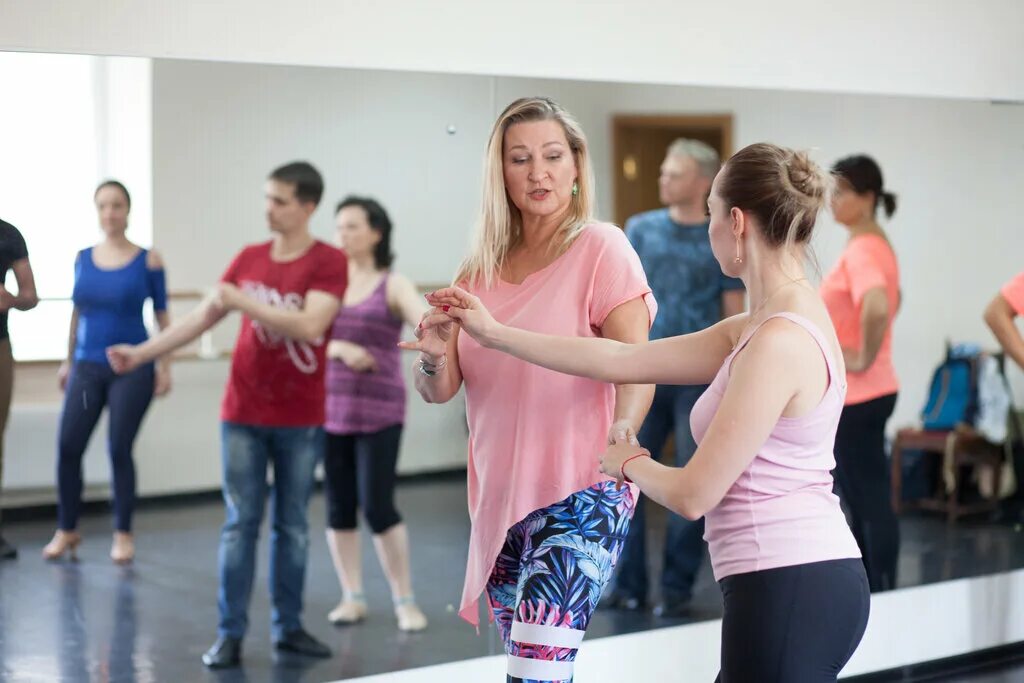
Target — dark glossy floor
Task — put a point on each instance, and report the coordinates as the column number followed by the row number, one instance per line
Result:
column 92, row 621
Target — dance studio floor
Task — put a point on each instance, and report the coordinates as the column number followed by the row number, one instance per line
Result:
column 92, row 621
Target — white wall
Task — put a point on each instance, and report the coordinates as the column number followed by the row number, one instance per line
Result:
column 219, row 129
column 956, row 49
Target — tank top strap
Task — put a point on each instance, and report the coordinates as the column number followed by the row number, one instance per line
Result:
column 381, row 292
column 835, row 378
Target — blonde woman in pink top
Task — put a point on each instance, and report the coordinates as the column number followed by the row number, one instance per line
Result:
column 547, row 526
column 795, row 590
column 862, row 293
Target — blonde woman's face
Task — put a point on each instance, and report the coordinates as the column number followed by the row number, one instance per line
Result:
column 539, row 168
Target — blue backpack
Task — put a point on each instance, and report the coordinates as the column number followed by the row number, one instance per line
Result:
column 953, row 396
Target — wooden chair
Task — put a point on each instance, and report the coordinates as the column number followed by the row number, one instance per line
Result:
column 956, row 448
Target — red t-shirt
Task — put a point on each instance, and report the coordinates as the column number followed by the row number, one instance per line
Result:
column 276, row 381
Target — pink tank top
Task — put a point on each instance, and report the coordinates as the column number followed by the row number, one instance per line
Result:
column 781, row 511
column 366, row 402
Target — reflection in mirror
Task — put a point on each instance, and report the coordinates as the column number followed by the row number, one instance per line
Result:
column 196, row 146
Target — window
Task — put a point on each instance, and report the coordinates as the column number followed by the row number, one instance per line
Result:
column 68, row 122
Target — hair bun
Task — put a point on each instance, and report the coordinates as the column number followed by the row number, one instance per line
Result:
column 807, row 178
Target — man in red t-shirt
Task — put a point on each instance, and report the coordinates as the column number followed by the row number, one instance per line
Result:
column 288, row 291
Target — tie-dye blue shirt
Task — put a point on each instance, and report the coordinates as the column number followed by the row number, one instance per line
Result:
column 682, row 271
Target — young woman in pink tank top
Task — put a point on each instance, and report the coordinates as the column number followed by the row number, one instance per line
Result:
column 365, row 413
column 795, row 590
column 547, row 527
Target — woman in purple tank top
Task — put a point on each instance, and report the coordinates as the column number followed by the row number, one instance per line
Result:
column 794, row 586
column 366, row 411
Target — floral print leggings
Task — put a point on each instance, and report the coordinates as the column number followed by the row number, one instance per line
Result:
column 549, row 576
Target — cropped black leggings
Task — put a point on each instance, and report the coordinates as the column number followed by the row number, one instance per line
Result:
column 359, row 473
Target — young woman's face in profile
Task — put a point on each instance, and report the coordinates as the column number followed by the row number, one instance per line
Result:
column 848, row 207
column 720, row 231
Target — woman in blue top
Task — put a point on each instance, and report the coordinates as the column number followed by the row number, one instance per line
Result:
column 112, row 282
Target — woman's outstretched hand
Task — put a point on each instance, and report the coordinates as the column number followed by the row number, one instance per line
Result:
column 462, row 307
column 432, row 335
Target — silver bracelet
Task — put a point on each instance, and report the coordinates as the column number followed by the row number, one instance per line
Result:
column 430, row 370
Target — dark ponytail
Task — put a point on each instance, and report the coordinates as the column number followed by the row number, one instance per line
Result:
column 864, row 175
column 888, row 201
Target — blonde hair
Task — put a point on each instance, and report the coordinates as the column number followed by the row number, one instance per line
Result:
column 499, row 224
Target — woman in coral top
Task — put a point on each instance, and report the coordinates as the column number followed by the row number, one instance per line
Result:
column 795, row 592
column 862, row 292
column 547, row 526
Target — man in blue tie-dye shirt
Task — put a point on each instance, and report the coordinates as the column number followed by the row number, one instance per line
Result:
column 692, row 294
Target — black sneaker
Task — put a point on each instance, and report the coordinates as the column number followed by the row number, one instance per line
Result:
column 302, row 643
column 620, row 600
column 7, row 551
column 224, row 654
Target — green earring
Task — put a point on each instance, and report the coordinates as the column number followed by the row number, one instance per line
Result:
column 575, row 189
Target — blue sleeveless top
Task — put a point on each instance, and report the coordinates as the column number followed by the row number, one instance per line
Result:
column 110, row 303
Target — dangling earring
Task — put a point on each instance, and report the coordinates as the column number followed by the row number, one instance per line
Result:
column 738, row 259
column 575, row 188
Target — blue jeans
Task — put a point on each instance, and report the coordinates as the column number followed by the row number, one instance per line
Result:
column 246, row 452
column 684, row 540
column 91, row 387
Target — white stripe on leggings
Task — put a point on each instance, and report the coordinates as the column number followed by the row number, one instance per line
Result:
column 553, row 636
column 539, row 669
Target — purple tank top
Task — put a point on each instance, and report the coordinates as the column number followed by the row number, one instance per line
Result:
column 366, row 402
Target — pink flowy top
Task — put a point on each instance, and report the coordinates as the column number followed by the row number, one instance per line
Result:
column 781, row 511
column 535, row 435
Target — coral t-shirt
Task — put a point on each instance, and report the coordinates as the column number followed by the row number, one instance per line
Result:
column 276, row 381
column 867, row 262
column 535, row 435
column 1013, row 292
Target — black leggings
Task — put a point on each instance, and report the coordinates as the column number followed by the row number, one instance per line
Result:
column 798, row 624
column 863, row 477
column 359, row 472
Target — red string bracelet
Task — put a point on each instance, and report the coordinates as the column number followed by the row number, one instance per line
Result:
column 622, row 467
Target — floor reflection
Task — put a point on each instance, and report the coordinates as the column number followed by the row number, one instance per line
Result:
column 93, row 621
